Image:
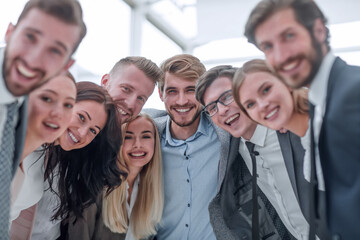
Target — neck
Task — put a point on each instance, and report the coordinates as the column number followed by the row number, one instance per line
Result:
column 183, row 133
column 250, row 132
column 30, row 145
column 133, row 173
column 298, row 124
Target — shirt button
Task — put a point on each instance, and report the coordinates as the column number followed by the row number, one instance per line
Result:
column 187, row 180
column 188, row 204
column 186, row 225
column 187, row 158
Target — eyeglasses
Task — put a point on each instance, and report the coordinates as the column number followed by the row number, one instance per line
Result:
column 225, row 99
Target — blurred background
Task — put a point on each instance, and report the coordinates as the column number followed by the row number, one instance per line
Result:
column 212, row 30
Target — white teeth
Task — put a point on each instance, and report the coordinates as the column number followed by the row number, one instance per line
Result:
column 54, row 126
column 272, row 113
column 183, row 110
column 25, row 71
column 73, row 137
column 232, row 118
column 137, row 154
column 122, row 111
column 290, row 66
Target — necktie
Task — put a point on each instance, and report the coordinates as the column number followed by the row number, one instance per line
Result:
column 255, row 209
column 313, row 178
column 6, row 164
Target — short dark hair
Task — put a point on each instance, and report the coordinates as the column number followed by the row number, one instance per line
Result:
column 185, row 66
column 306, row 12
column 68, row 11
column 209, row 77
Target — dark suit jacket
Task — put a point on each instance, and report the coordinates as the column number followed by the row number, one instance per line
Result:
column 225, row 215
column 20, row 134
column 339, row 147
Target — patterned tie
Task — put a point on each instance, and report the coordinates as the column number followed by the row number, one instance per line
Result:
column 255, row 211
column 6, row 164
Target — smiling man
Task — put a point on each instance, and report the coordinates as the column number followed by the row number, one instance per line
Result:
column 276, row 156
column 38, row 48
column 130, row 83
column 191, row 149
column 295, row 40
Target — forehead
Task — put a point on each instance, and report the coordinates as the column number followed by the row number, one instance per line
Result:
column 140, row 124
column 276, row 24
column 170, row 80
column 131, row 76
column 216, row 88
column 50, row 28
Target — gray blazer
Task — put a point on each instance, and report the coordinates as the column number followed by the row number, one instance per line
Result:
column 228, row 213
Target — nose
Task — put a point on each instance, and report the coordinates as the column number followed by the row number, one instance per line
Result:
column 131, row 102
column 222, row 109
column 35, row 57
column 263, row 104
column 57, row 111
column 83, row 131
column 137, row 143
column 181, row 99
column 280, row 55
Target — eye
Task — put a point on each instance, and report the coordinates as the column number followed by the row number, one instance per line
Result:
column 266, row 90
column 289, row 35
column 125, row 89
column 56, row 51
column 69, row 105
column 190, row 90
column 147, row 136
column 93, row 131
column 266, row 47
column 127, row 137
column 141, row 99
column 30, row 37
column 171, row 91
column 81, row 117
column 46, row 99
column 249, row 105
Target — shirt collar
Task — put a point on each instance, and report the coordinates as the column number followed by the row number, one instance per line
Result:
column 5, row 96
column 203, row 129
column 259, row 136
column 318, row 87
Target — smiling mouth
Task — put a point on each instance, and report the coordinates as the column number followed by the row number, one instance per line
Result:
column 24, row 71
column 272, row 113
column 75, row 140
column 232, row 119
column 182, row 110
column 137, row 154
column 52, row 125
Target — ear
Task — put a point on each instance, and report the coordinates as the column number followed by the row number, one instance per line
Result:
column 319, row 31
column 105, row 80
column 160, row 95
column 10, row 29
column 69, row 64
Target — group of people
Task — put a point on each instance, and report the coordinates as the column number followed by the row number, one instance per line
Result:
column 268, row 150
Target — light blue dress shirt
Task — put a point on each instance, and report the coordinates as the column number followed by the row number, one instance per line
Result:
column 190, row 182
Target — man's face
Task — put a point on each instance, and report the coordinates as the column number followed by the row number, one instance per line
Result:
column 230, row 117
column 130, row 88
column 289, row 48
column 38, row 48
column 180, row 102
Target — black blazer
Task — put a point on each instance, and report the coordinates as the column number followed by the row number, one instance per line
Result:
column 20, row 133
column 339, row 147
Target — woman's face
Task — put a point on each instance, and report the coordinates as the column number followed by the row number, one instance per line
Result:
column 267, row 100
column 88, row 119
column 139, row 142
column 50, row 108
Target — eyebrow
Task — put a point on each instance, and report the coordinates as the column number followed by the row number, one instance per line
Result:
column 60, row 44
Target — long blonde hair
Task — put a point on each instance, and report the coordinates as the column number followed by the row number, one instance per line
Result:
column 147, row 210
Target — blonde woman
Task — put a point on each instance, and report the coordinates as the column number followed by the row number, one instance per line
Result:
column 132, row 210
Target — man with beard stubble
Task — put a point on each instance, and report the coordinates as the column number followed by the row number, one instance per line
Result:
column 295, row 40
column 191, row 149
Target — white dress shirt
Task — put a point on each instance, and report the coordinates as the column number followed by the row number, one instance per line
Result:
column 129, row 207
column 274, row 181
column 5, row 98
